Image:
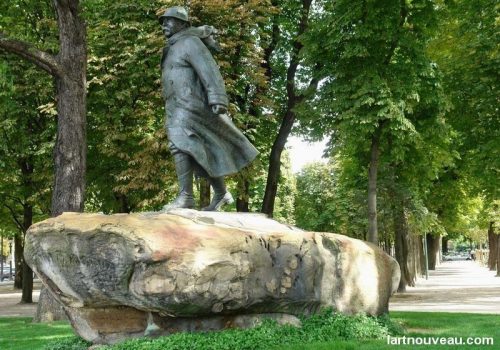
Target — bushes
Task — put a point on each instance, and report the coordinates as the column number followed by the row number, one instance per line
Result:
column 325, row 326
column 72, row 343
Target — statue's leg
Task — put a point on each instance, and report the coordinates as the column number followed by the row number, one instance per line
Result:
column 221, row 195
column 184, row 170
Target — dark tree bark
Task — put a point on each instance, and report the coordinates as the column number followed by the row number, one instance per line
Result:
column 416, row 262
column 27, row 274
column 71, row 144
column 372, row 186
column 204, row 193
column 242, row 204
column 433, row 250
column 445, row 245
column 27, row 169
column 492, row 243
column 498, row 255
column 27, row 294
column 294, row 98
column 68, row 68
column 18, row 261
column 402, row 247
column 122, row 203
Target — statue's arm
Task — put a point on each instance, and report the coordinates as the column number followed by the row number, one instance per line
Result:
column 204, row 64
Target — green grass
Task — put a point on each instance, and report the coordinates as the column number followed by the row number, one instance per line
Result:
column 21, row 334
column 424, row 324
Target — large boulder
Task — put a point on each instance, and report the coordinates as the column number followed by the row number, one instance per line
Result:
column 130, row 275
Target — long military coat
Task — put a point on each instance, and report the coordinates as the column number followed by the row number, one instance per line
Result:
column 192, row 83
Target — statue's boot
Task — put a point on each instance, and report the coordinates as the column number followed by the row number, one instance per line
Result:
column 221, row 196
column 184, row 170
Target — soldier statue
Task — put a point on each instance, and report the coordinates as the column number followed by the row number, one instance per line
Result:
column 202, row 138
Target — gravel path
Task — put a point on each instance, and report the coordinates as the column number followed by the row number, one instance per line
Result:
column 10, row 298
column 455, row 286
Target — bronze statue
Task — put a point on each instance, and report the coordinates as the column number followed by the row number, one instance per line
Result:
column 201, row 136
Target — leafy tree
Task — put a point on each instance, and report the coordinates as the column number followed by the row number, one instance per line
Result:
column 290, row 80
column 466, row 50
column 28, row 133
column 316, row 199
column 380, row 73
column 68, row 68
column 128, row 167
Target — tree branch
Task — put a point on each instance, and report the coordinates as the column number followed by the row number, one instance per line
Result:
column 14, row 217
column 42, row 59
column 403, row 14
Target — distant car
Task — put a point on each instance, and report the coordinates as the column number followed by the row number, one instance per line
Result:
column 6, row 273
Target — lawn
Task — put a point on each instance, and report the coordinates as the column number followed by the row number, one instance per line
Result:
column 21, row 334
column 425, row 324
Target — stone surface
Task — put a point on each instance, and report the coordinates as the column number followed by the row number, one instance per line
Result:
column 130, row 275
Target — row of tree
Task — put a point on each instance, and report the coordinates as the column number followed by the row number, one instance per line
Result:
column 404, row 91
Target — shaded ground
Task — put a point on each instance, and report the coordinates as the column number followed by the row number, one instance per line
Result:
column 455, row 286
column 10, row 298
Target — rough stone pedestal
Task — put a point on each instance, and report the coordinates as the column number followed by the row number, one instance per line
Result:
column 131, row 275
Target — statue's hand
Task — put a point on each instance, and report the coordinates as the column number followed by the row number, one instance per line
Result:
column 219, row 109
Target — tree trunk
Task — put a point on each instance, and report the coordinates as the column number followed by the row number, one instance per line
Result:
column 433, row 250
column 242, row 204
column 273, row 173
column 204, row 193
column 122, row 203
column 498, row 255
column 416, row 265
column 372, row 187
column 27, row 279
column 401, row 247
column 27, row 295
column 71, row 145
column 68, row 68
column 27, row 169
column 492, row 243
column 293, row 99
column 18, row 261
column 445, row 245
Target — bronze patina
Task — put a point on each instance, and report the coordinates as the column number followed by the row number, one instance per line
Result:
column 202, row 138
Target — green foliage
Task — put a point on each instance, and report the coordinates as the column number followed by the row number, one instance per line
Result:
column 377, row 77
column 466, row 50
column 72, row 343
column 27, row 123
column 325, row 326
column 316, row 202
column 128, row 168
column 417, row 324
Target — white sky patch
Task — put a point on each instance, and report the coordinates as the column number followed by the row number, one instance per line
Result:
column 303, row 152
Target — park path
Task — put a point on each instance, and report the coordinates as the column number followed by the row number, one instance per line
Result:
column 10, row 298
column 455, row 286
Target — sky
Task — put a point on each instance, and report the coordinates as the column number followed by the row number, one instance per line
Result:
column 303, row 152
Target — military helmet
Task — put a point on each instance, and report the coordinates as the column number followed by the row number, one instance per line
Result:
column 178, row 12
